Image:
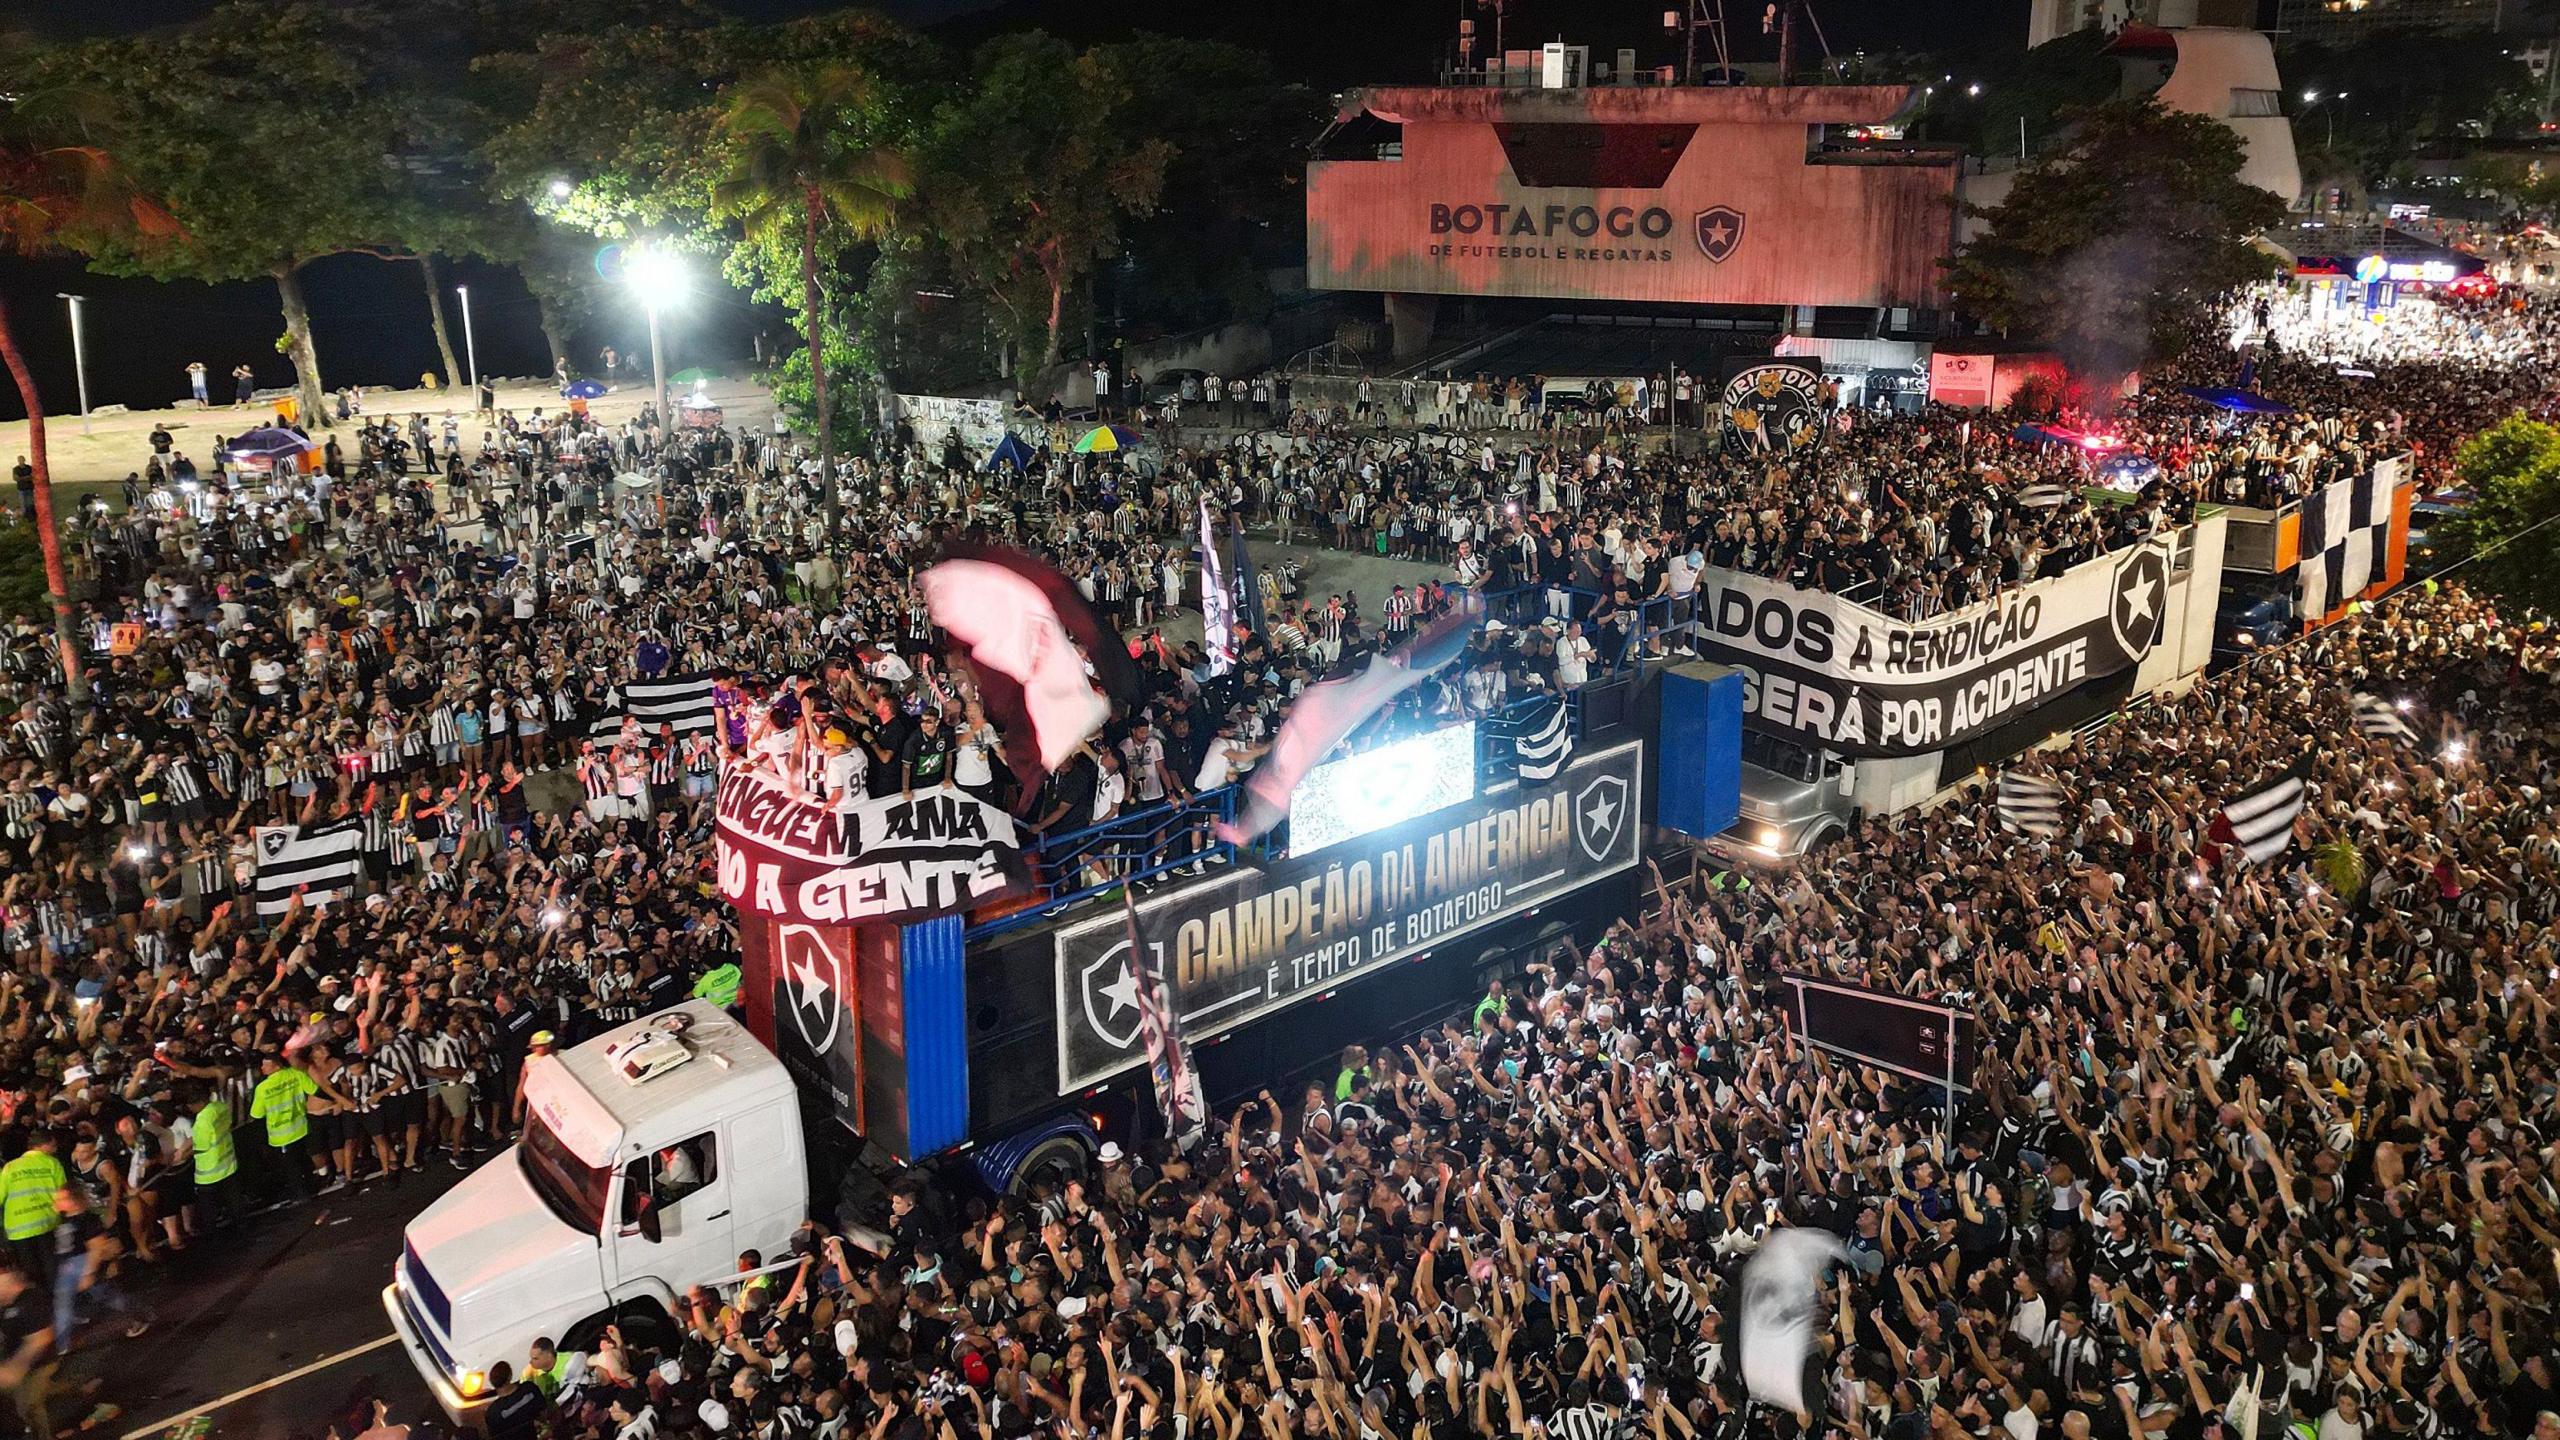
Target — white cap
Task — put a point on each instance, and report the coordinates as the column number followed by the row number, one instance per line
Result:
column 1111, row 1153
column 1071, row 1307
column 715, row 1415
column 846, row 1337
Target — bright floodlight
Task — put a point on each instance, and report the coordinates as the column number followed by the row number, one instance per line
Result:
column 2310, row 97
column 561, row 189
column 658, row 275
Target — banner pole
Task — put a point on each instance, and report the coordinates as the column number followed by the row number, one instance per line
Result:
column 1947, row 1114
column 1177, row 1087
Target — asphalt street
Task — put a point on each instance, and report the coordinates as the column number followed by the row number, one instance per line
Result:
column 263, row 1330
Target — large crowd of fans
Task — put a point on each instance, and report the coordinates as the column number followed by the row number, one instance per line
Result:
column 2247, row 1146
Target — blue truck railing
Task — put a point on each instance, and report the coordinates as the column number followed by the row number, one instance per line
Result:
column 1076, row 865
column 1523, row 605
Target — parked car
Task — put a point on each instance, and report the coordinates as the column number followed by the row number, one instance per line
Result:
column 2255, row 612
column 2429, row 550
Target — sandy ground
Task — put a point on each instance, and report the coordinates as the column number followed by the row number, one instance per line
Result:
column 104, row 449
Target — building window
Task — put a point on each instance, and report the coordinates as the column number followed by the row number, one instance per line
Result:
column 2246, row 104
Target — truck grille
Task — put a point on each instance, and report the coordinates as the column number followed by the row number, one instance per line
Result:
column 429, row 1296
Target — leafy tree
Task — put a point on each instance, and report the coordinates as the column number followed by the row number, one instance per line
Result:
column 803, row 160
column 24, row 590
column 1032, row 170
column 1234, row 195
column 2395, row 95
column 2043, row 85
column 58, row 195
column 2106, row 239
column 275, row 138
column 2510, row 533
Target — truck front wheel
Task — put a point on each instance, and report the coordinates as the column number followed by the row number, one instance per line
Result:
column 644, row 1323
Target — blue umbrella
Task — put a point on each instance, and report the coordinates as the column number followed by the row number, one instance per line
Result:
column 1009, row 451
column 267, row 442
column 2239, row 402
column 582, row 390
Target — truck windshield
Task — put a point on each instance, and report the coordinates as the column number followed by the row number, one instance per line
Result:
column 1780, row 757
column 574, row 1189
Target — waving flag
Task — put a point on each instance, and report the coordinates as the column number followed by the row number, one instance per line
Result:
column 321, row 864
column 2379, row 719
column 1781, row 1305
column 2261, row 822
column 1217, row 600
column 1545, row 741
column 1031, row 638
column 2030, row 805
column 1329, row 711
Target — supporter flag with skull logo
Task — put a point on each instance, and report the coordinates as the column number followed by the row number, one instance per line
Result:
column 1049, row 666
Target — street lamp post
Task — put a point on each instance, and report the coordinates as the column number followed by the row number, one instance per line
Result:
column 656, row 274
column 2313, row 100
column 79, row 356
column 470, row 350
column 657, row 362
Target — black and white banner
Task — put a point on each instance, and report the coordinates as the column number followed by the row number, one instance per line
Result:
column 1255, row 942
column 1849, row 679
column 893, row 858
column 2345, row 537
column 322, row 864
column 683, row 701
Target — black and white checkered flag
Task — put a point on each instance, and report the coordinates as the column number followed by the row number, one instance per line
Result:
column 2379, row 719
column 1545, row 742
column 2030, row 805
column 2261, row 822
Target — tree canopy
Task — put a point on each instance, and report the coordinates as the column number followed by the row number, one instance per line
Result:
column 2103, row 240
column 2510, row 533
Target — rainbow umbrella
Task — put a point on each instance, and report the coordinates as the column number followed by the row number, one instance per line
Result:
column 1104, row 439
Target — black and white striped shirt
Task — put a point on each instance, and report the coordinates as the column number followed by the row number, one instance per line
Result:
column 1587, row 1422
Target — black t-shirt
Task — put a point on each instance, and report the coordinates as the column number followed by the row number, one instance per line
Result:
column 23, row 1317
column 512, row 1415
column 926, row 756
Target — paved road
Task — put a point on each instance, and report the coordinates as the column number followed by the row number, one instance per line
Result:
column 301, row 1286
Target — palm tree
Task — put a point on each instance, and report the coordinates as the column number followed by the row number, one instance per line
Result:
column 2342, row 864
column 56, row 197
column 801, row 161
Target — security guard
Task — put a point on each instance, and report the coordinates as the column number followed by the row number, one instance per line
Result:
column 283, row 1100
column 217, row 1162
column 27, row 1214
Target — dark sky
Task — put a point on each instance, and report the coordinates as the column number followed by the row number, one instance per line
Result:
column 1314, row 30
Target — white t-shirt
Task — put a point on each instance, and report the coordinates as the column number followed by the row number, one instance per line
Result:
column 1142, row 761
column 1218, row 767
column 1573, row 660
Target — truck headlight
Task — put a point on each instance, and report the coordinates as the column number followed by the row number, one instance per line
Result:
column 2244, row 639
column 1769, row 837
column 473, row 1382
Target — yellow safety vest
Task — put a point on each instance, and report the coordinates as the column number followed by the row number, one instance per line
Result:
column 27, row 1185
column 281, row 1101
column 719, row 986
column 216, row 1161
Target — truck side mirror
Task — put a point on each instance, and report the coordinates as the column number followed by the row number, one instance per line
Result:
column 650, row 1229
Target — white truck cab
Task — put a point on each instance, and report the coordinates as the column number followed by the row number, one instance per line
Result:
column 651, row 1156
